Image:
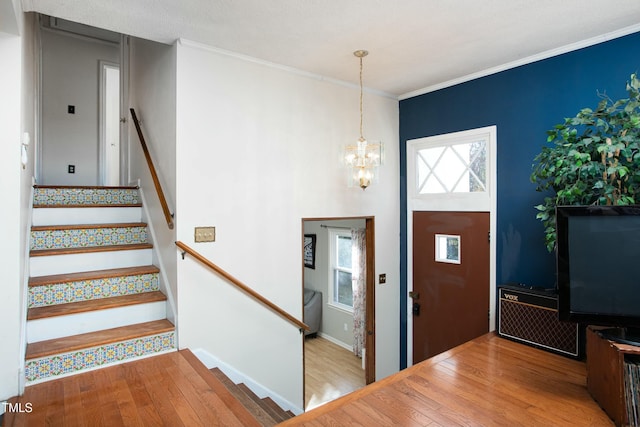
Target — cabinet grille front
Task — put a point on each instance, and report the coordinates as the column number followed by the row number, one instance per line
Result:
column 531, row 317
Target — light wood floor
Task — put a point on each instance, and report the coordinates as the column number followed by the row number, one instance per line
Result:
column 489, row 381
column 330, row 372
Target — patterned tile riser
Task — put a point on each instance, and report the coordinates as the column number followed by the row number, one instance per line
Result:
column 80, row 238
column 85, row 196
column 62, row 293
column 61, row 364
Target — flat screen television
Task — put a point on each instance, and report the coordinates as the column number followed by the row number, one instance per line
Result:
column 598, row 268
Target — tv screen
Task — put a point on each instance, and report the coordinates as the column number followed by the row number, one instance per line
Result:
column 598, row 260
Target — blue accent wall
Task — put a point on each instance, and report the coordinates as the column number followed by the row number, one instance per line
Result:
column 523, row 103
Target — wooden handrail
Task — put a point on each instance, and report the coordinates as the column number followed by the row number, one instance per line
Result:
column 237, row 283
column 163, row 200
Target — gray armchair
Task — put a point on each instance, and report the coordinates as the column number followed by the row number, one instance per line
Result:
column 312, row 310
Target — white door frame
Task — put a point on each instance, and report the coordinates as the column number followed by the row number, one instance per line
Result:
column 124, row 110
column 486, row 202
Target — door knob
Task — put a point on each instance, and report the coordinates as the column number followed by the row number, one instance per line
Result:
column 414, row 295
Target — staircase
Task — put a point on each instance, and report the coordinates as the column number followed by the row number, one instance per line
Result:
column 265, row 410
column 94, row 297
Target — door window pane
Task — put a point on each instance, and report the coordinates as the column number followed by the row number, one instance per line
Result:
column 447, row 248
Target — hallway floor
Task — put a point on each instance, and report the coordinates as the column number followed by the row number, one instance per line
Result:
column 330, row 372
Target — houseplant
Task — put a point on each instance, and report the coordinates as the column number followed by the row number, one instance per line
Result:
column 592, row 158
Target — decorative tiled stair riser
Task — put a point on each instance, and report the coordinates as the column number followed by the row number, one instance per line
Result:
column 85, row 196
column 87, row 237
column 66, row 363
column 62, row 293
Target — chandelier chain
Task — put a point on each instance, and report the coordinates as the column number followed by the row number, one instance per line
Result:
column 361, row 137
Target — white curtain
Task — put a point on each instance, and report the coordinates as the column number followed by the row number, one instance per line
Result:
column 358, row 270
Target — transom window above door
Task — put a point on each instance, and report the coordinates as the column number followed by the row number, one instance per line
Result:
column 454, row 168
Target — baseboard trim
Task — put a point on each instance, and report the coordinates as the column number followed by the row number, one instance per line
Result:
column 335, row 341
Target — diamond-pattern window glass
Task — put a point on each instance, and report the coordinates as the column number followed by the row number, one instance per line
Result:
column 459, row 168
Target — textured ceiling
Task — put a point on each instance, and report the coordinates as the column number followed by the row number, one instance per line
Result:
column 414, row 45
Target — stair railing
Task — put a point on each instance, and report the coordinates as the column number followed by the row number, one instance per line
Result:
column 244, row 288
column 156, row 182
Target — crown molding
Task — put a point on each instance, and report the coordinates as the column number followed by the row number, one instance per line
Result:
column 284, row 68
column 524, row 61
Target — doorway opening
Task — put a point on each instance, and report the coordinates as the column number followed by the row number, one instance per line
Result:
column 339, row 304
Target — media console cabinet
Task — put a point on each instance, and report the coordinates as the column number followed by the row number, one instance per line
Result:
column 606, row 375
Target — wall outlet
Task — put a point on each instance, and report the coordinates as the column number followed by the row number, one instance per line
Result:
column 71, row 168
column 345, row 327
column 71, row 109
column 205, row 234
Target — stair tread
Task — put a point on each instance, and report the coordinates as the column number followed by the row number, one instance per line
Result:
column 105, row 205
column 276, row 415
column 83, row 226
column 97, row 187
column 93, row 305
column 88, row 249
column 93, row 339
column 252, row 406
column 92, row 275
column 282, row 414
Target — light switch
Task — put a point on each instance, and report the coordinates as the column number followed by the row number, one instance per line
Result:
column 382, row 278
column 205, row 234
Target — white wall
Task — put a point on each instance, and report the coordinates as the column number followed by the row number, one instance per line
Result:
column 10, row 189
column 17, row 77
column 152, row 95
column 29, row 126
column 257, row 151
column 333, row 319
column 70, row 76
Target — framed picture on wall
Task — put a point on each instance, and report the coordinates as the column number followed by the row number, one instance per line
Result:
column 310, row 251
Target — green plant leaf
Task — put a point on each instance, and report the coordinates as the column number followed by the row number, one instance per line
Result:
column 581, row 149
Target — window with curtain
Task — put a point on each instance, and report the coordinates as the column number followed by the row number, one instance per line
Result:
column 340, row 287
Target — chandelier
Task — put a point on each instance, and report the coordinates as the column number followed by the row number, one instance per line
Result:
column 363, row 158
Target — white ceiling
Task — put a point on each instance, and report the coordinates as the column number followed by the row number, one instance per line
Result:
column 414, row 45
